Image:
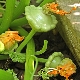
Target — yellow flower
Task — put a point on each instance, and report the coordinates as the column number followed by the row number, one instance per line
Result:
column 67, row 69
column 9, row 38
column 53, row 7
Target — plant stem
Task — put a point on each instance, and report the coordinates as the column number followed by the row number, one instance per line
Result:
column 36, row 64
column 8, row 15
column 3, row 57
column 43, row 48
column 20, row 8
column 19, row 22
column 29, row 65
column 26, row 40
column 30, row 50
column 42, row 60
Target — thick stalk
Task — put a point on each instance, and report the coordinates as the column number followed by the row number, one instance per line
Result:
column 20, row 8
column 8, row 15
column 19, row 22
column 42, row 60
column 22, row 31
column 30, row 51
column 26, row 40
column 29, row 65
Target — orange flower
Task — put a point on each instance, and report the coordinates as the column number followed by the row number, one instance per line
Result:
column 14, row 35
column 67, row 69
column 9, row 38
column 53, row 7
column 54, row 72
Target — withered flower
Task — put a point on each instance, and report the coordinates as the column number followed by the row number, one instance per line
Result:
column 9, row 38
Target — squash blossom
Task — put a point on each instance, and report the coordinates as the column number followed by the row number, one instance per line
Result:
column 66, row 68
column 8, row 39
column 57, row 64
column 50, row 8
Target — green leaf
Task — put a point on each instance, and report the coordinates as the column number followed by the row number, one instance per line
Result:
column 17, row 57
column 14, row 74
column 5, row 75
column 38, row 20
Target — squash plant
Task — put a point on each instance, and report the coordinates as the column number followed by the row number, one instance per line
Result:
column 13, row 18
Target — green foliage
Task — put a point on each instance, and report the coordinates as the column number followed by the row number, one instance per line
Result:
column 52, row 62
column 43, row 48
column 7, row 18
column 17, row 57
column 43, row 74
column 5, row 75
column 38, row 20
column 12, row 72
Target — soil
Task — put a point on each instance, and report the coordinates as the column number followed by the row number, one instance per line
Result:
column 55, row 44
